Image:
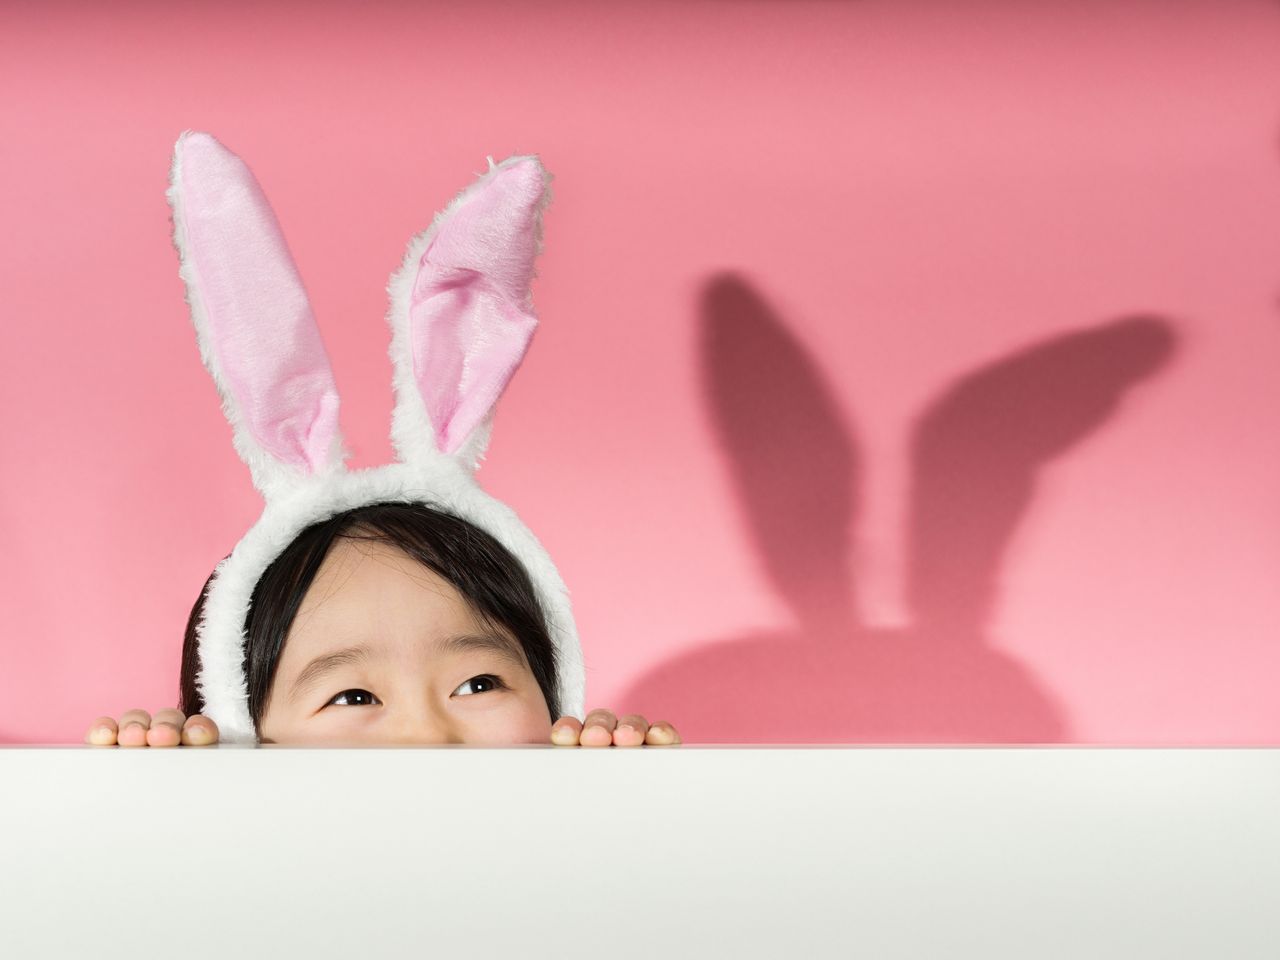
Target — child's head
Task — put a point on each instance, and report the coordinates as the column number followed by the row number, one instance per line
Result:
column 393, row 622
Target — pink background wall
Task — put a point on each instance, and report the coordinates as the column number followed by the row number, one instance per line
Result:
column 908, row 370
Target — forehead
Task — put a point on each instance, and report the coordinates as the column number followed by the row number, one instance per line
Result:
column 368, row 590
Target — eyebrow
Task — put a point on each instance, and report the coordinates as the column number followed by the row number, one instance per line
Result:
column 502, row 647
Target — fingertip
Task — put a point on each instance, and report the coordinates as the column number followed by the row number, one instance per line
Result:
column 132, row 734
column 662, row 734
column 163, row 735
column 626, row 735
column 596, row 735
column 198, row 735
column 101, row 736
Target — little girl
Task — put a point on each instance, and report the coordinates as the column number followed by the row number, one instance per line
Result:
column 396, row 604
column 390, row 623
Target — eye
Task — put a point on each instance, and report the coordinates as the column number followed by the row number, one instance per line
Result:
column 353, row 695
column 483, row 684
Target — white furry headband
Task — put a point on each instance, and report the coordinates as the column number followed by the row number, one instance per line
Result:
column 461, row 319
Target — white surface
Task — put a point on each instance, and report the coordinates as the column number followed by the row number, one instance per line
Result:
column 687, row 852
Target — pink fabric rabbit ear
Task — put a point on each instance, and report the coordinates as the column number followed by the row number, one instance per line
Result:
column 254, row 324
column 462, row 312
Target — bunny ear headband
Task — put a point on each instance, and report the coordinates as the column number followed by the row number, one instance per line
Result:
column 461, row 319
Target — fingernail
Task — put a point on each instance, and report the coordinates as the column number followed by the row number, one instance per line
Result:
column 626, row 726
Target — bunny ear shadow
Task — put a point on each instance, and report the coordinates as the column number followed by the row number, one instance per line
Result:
column 978, row 448
column 790, row 454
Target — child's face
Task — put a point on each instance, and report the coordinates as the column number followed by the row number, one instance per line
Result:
column 424, row 677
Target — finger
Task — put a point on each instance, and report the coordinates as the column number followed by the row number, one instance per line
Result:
column 565, row 732
column 631, row 731
column 102, row 733
column 166, row 728
column 199, row 731
column 662, row 734
column 133, row 728
column 169, row 715
column 597, row 731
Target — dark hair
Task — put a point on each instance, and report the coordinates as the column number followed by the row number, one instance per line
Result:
column 491, row 580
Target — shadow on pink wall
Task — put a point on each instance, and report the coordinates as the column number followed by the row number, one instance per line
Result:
column 975, row 454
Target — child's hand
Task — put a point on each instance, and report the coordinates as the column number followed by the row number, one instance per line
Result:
column 603, row 729
column 137, row 729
